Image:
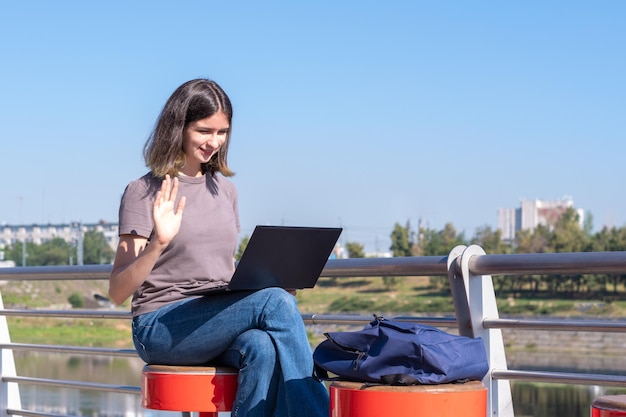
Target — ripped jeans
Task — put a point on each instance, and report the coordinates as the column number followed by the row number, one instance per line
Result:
column 261, row 333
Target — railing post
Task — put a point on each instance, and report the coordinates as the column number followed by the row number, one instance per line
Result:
column 9, row 391
column 481, row 302
column 459, row 293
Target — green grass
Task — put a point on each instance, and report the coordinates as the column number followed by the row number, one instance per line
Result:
column 75, row 332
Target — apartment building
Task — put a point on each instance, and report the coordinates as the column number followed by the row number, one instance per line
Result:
column 532, row 213
column 70, row 232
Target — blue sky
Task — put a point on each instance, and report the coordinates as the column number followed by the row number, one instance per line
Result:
column 356, row 113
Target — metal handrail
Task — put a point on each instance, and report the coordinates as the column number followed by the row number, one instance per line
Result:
column 496, row 264
column 59, row 383
column 79, row 350
column 348, row 319
column 550, row 263
column 562, row 325
column 76, row 314
column 354, row 267
column 560, row 377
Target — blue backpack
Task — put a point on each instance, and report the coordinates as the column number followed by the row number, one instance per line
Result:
column 399, row 353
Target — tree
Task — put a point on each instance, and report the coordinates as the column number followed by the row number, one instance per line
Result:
column 96, row 249
column 433, row 242
column 14, row 252
column 567, row 235
column 536, row 241
column 491, row 241
column 242, row 247
column 355, row 250
column 54, row 252
column 400, row 243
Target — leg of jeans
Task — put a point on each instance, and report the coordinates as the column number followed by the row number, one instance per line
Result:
column 253, row 353
column 299, row 393
column 196, row 331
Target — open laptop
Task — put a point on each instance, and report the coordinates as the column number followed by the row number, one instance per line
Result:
column 280, row 256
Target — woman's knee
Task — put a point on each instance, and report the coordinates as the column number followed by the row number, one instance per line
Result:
column 254, row 345
column 280, row 299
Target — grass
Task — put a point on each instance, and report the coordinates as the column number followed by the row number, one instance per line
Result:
column 70, row 331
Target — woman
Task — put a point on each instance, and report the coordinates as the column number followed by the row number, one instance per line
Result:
column 179, row 227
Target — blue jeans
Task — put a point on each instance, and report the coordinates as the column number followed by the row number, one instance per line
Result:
column 261, row 333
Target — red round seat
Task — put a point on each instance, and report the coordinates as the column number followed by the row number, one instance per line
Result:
column 609, row 406
column 203, row 389
column 355, row 399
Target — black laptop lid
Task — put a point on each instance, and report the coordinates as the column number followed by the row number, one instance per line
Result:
column 284, row 256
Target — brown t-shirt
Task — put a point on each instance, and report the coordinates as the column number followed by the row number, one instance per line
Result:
column 202, row 252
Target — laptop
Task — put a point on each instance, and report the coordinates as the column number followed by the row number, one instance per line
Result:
column 280, row 256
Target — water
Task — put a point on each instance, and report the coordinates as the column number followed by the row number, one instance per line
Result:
column 529, row 399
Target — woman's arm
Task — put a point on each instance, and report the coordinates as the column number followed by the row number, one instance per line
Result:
column 135, row 258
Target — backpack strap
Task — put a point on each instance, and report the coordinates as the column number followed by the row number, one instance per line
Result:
column 399, row 379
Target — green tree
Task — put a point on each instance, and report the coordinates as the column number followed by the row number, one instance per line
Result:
column 567, row 235
column 96, row 249
column 14, row 253
column 355, row 250
column 608, row 240
column 433, row 242
column 491, row 241
column 53, row 252
column 536, row 241
column 242, row 247
column 400, row 243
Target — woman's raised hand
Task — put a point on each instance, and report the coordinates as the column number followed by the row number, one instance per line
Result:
column 166, row 215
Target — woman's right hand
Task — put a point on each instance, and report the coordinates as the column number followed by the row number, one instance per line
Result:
column 135, row 258
column 166, row 214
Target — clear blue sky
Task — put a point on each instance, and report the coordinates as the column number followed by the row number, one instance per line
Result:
column 353, row 113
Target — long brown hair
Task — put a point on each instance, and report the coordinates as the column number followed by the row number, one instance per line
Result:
column 193, row 100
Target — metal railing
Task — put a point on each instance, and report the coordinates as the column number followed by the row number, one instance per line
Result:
column 468, row 270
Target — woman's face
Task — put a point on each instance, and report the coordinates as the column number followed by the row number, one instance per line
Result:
column 201, row 140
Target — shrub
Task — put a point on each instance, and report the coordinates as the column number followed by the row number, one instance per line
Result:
column 76, row 300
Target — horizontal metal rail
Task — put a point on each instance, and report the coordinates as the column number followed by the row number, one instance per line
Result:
column 29, row 413
column 560, row 325
column 80, row 350
column 56, row 273
column 549, row 263
column 560, row 377
column 354, row 267
column 59, row 383
column 509, row 264
column 362, row 320
column 346, row 319
column 78, row 314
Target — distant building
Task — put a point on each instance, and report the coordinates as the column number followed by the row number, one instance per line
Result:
column 70, row 232
column 533, row 213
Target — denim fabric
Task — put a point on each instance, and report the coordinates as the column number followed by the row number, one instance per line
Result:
column 261, row 333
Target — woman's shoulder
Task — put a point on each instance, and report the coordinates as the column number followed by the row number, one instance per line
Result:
column 225, row 184
column 220, row 179
column 146, row 184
